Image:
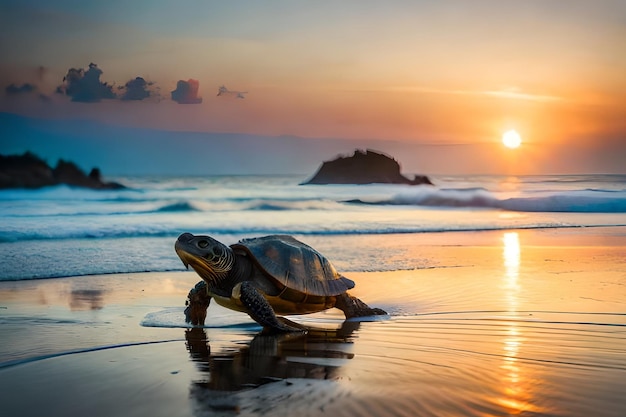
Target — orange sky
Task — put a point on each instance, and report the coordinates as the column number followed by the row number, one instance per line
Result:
column 433, row 73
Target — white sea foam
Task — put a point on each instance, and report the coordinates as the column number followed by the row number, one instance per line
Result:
column 576, row 201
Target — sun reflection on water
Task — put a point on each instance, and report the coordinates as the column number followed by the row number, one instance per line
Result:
column 511, row 256
column 516, row 396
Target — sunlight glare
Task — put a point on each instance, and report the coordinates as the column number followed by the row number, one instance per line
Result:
column 511, row 139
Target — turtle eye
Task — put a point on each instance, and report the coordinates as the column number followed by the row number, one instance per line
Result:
column 203, row 243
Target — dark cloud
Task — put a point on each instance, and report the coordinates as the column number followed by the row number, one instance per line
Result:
column 85, row 86
column 187, row 92
column 14, row 89
column 136, row 89
column 19, row 89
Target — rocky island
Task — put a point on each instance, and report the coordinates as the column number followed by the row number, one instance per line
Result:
column 364, row 167
column 30, row 171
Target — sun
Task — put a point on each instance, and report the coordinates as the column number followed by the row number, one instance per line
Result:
column 511, row 139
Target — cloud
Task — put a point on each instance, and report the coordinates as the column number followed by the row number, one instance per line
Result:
column 19, row 89
column 85, row 86
column 136, row 89
column 186, row 92
column 222, row 91
column 15, row 90
column 516, row 94
column 512, row 93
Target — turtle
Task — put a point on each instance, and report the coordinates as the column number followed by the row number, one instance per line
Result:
column 265, row 277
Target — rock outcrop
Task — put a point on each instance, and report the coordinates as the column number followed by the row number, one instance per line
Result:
column 364, row 167
column 29, row 171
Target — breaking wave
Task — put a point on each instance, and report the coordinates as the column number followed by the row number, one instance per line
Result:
column 585, row 201
column 180, row 206
column 169, row 232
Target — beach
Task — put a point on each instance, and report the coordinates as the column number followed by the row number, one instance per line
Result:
column 490, row 323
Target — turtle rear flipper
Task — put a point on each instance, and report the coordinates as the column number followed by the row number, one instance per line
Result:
column 353, row 307
column 260, row 310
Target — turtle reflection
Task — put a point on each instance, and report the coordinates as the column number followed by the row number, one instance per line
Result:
column 317, row 354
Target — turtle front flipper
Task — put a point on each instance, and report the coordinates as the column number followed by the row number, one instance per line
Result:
column 197, row 303
column 260, row 310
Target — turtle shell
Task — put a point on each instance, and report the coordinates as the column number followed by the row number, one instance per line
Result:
column 295, row 265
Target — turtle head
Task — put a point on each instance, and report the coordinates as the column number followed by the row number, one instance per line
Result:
column 211, row 259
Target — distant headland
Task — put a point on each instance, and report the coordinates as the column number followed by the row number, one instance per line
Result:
column 364, row 167
column 30, row 171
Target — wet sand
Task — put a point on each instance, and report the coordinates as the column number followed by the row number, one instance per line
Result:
column 500, row 323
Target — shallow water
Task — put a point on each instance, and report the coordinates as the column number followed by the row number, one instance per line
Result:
column 507, row 323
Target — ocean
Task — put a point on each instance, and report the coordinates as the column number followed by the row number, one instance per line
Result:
column 63, row 231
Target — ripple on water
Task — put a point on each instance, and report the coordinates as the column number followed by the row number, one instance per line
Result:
column 491, row 363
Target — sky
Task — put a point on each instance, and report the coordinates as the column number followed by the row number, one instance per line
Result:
column 444, row 79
